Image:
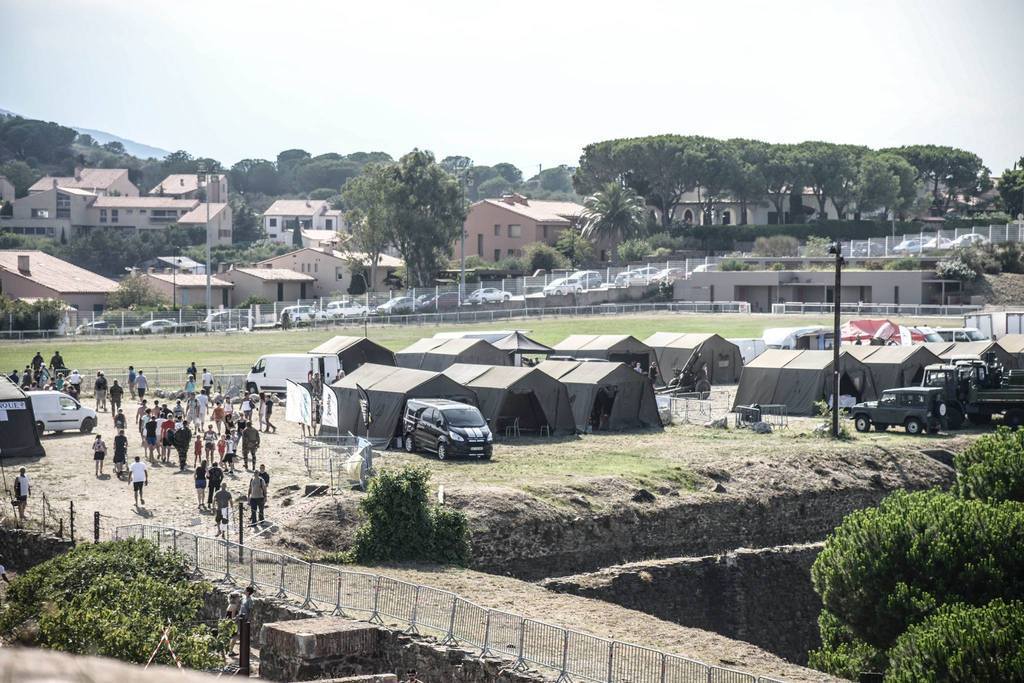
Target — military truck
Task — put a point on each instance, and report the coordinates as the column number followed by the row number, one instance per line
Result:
column 978, row 389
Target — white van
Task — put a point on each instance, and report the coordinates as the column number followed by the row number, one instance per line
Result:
column 55, row 411
column 269, row 372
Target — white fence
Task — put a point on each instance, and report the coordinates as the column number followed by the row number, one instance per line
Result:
column 933, row 241
column 525, row 643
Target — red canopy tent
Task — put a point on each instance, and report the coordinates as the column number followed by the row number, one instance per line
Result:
column 878, row 331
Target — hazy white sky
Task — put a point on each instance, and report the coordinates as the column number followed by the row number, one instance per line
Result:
column 528, row 82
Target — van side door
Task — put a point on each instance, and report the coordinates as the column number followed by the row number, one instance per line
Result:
column 68, row 417
column 424, row 435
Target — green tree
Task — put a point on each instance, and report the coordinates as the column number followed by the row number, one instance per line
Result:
column 455, row 164
column 494, row 187
column 134, row 292
column 782, row 172
column 831, row 171
column 246, row 226
column 324, row 172
column 34, row 141
column 371, row 212
column 114, row 147
column 613, row 213
column 992, row 467
column 577, row 249
column 1011, row 189
column 21, row 176
column 509, row 172
column 749, row 185
column 948, row 172
column 877, row 186
column 540, row 256
column 633, row 249
column 255, row 175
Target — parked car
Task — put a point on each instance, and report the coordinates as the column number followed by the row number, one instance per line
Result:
column 961, row 334
column 346, row 309
column 445, row 301
column 400, row 305
column 635, row 276
column 488, row 295
column 95, row 327
column 55, row 411
column 669, row 275
column 589, row 279
column 868, row 248
column 271, row 372
column 445, row 428
column 908, row 246
column 916, row 409
column 968, row 240
column 563, row 286
column 937, row 242
column 227, row 320
column 304, row 315
column 159, row 326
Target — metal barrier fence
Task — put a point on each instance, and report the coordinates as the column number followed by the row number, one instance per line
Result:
column 329, row 453
column 775, row 414
column 430, row 611
column 695, row 409
column 887, row 310
column 42, row 513
column 933, row 241
column 228, row 377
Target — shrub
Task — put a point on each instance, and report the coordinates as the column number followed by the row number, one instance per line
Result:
column 841, row 653
column 112, row 599
column 540, row 256
column 663, row 240
column 817, row 246
column 661, row 253
column 778, row 266
column 904, row 263
column 955, row 268
column 992, row 468
column 733, row 264
column 633, row 250
column 777, row 245
column 962, row 643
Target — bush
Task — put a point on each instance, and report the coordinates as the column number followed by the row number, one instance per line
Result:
column 778, row 266
column 777, row 245
column 254, row 300
column 633, row 250
column 540, row 256
column 22, row 315
column 733, row 264
column 842, row 653
column 904, row 263
column 992, row 468
column 663, row 240
column 955, row 268
column 401, row 526
column 112, row 599
column 962, row 643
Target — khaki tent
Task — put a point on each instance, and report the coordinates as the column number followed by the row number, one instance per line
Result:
column 797, row 379
column 507, row 394
column 980, row 349
column 356, row 351
column 1013, row 344
column 18, row 435
column 437, row 354
column 387, row 389
column 606, row 395
column 619, row 348
column 720, row 356
column 893, row 367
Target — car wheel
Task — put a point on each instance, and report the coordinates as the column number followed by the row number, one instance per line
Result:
column 40, row 428
column 410, row 444
column 862, row 423
column 914, row 426
column 442, row 450
column 507, row 297
column 251, row 388
column 1014, row 418
column 87, row 425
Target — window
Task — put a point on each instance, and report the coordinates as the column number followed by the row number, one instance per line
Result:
column 726, row 217
column 67, row 403
column 142, row 211
column 887, row 400
column 497, row 230
column 129, row 211
column 40, row 213
column 339, row 273
column 544, row 231
column 330, row 224
column 113, row 215
column 63, row 205
column 224, row 233
column 515, row 230
column 272, row 222
column 497, row 255
column 480, row 246
column 103, row 215
column 510, row 253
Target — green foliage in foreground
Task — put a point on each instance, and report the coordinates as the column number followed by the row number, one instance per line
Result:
column 992, row 468
column 401, row 525
column 114, row 600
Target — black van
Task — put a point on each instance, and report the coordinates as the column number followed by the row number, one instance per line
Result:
column 446, row 428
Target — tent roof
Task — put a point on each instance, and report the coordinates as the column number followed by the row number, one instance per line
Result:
column 678, row 340
column 493, row 376
column 337, row 344
column 891, row 354
column 862, row 352
column 593, row 373
column 773, row 358
column 425, row 345
column 811, row 360
column 558, row 368
column 9, row 392
column 445, row 347
column 599, row 342
column 662, row 338
column 370, row 375
column 517, row 342
column 1012, row 343
column 938, row 348
column 978, row 348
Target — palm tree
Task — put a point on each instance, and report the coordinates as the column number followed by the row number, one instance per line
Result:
column 613, row 213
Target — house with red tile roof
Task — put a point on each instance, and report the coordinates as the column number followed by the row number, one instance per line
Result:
column 30, row 274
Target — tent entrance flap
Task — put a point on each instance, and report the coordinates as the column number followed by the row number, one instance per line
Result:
column 526, row 407
column 604, row 405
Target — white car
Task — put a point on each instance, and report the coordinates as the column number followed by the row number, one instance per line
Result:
column 563, row 286
column 55, row 411
column 304, row 315
column 961, row 334
column 589, row 279
column 398, row 306
column 488, row 295
column 96, row 327
column 968, row 240
column 641, row 275
column 227, row 320
column 937, row 242
column 908, row 246
column 346, row 309
column 159, row 326
column 669, row 275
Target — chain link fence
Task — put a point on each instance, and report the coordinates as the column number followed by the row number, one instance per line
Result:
column 345, row 459
column 429, row 611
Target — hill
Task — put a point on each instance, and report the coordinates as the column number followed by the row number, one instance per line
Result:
column 136, row 149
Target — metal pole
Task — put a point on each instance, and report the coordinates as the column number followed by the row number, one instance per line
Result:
column 836, row 340
column 241, row 527
column 206, row 200
column 243, row 646
column 71, row 521
column 96, row 527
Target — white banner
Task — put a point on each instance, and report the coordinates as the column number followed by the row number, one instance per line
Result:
column 299, row 406
column 329, row 406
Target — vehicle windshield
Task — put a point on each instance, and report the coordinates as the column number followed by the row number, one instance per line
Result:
column 935, row 378
column 976, row 335
column 463, row 417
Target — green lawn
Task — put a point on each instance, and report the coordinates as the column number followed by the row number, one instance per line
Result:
column 241, row 349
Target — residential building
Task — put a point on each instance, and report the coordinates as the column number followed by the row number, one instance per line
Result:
column 332, row 269
column 320, row 239
column 98, row 181
column 186, row 186
column 185, row 289
column 730, row 212
column 181, row 264
column 30, row 274
column 499, row 228
column 271, row 284
column 63, row 213
column 6, row 190
column 285, row 215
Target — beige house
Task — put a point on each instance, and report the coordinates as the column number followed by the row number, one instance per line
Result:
column 269, row 283
column 285, row 215
column 98, row 181
column 37, row 275
column 6, row 190
column 499, row 228
column 186, row 186
column 332, row 269
column 185, row 289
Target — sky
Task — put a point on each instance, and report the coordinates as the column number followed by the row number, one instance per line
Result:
column 528, row 82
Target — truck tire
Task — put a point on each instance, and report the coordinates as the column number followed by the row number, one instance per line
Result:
column 40, row 428
column 954, row 418
column 1014, row 418
column 410, row 444
column 914, row 426
column 862, row 423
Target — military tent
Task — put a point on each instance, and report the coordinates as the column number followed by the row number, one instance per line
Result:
column 437, row 354
column 605, row 395
column 893, row 367
column 619, row 348
column 18, row 435
column 1013, row 344
column 797, row 379
column 355, row 351
column 387, row 389
column 980, row 349
column 673, row 350
column 506, row 394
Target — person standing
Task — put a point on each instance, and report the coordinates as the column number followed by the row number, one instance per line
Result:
column 116, row 393
column 99, row 452
column 141, row 384
column 131, row 380
column 75, row 380
column 150, row 426
column 200, row 479
column 261, row 411
column 37, row 362
column 203, row 401
column 264, row 475
column 268, row 408
column 22, row 490
column 139, row 478
column 120, row 452
column 222, row 500
column 257, row 496
column 214, row 478
column 250, row 443
column 100, row 389
column 230, row 446
column 207, row 381
column 210, row 441
column 190, row 385
column 182, row 439
column 218, row 414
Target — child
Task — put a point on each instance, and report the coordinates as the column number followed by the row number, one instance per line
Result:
column 229, row 453
column 198, row 450
column 120, row 452
column 221, row 447
column 99, row 451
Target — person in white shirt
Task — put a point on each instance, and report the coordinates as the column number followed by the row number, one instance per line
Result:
column 207, row 381
column 203, row 399
column 139, row 478
column 22, row 489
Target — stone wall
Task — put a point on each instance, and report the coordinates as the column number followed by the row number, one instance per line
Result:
column 760, row 596
column 21, row 550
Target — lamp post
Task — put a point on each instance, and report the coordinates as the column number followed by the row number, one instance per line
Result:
column 209, row 292
column 462, row 173
column 836, row 249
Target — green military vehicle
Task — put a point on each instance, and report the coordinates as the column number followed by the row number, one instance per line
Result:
column 976, row 390
column 917, row 409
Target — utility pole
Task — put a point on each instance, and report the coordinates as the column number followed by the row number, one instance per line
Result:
column 203, row 184
column 836, row 249
column 464, row 181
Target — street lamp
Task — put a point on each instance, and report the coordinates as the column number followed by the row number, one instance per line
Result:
column 836, row 249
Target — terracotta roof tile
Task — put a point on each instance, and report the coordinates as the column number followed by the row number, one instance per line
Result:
column 53, row 273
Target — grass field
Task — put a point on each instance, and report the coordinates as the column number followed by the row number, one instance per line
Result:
column 241, row 349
